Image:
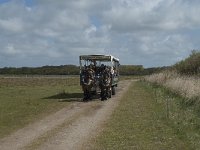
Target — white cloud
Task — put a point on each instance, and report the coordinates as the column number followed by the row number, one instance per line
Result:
column 130, row 16
column 11, row 50
column 89, row 32
column 13, row 24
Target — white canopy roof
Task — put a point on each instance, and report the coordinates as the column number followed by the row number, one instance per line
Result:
column 99, row 57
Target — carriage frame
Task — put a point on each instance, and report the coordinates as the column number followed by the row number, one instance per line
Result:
column 96, row 61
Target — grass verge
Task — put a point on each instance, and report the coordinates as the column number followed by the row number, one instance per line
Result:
column 141, row 122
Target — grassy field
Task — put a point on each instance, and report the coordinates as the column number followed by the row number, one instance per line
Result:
column 148, row 117
column 141, row 121
column 24, row 100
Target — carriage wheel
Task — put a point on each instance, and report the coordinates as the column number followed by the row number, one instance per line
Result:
column 110, row 93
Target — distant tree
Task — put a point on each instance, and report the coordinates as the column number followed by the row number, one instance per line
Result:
column 45, row 70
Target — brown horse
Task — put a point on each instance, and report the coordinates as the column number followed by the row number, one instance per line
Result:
column 105, row 84
column 87, row 83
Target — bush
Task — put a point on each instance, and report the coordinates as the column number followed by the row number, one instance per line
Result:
column 191, row 65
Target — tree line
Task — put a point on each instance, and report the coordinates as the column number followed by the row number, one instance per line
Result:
column 74, row 70
column 45, row 70
column 139, row 70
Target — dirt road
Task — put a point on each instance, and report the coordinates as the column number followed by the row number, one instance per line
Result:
column 69, row 128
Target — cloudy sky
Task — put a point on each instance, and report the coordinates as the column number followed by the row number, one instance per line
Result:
column 56, row 32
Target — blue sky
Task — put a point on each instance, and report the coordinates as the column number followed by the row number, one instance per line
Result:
column 139, row 32
column 29, row 3
column 4, row 1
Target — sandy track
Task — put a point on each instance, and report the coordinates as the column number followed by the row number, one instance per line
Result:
column 78, row 123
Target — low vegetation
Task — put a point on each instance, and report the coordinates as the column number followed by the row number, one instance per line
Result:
column 186, row 86
column 24, row 100
column 141, row 122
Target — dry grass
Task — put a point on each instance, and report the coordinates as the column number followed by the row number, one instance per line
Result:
column 186, row 86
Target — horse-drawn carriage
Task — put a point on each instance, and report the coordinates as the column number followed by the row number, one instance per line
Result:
column 98, row 75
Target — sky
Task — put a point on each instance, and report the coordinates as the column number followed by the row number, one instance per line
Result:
column 151, row 33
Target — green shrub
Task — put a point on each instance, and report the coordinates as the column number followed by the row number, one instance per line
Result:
column 191, row 65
